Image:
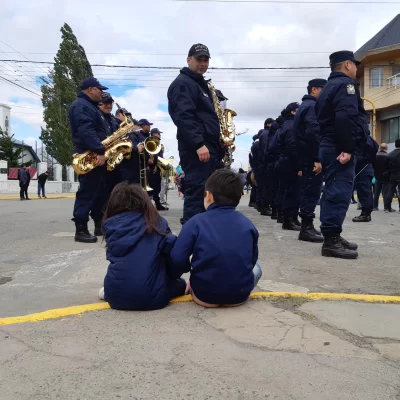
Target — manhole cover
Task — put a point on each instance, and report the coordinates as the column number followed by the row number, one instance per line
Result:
column 5, row 279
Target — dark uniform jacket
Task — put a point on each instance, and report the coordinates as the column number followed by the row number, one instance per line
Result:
column 368, row 155
column 110, row 124
column 341, row 115
column 191, row 108
column 224, row 245
column 87, row 125
column 288, row 143
column 255, row 152
column 306, row 130
column 381, row 166
column 263, row 137
column 393, row 159
column 273, row 146
column 137, row 274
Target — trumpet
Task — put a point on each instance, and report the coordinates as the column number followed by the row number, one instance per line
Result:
column 151, row 146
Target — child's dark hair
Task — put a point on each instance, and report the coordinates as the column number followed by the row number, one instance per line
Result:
column 127, row 197
column 225, row 186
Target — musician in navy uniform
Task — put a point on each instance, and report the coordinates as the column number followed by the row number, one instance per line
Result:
column 155, row 173
column 87, row 127
column 306, row 129
column 191, row 108
column 344, row 131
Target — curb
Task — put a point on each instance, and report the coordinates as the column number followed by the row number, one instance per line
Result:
column 78, row 310
column 72, row 196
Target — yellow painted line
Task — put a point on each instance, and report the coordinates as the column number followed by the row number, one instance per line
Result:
column 72, row 196
column 77, row 310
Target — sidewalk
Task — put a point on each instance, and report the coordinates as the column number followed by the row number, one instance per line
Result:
column 33, row 196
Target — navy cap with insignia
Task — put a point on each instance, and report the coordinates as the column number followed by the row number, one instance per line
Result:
column 92, row 82
column 198, row 50
column 144, row 122
column 106, row 98
column 317, row 83
column 343, row 55
column 123, row 111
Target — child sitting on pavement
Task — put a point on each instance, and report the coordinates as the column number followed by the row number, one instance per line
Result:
column 138, row 243
column 223, row 244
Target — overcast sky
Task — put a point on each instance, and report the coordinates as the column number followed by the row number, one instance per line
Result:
column 160, row 32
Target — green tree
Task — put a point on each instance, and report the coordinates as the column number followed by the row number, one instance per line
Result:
column 59, row 90
column 9, row 152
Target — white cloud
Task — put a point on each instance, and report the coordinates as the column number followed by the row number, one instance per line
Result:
column 160, row 27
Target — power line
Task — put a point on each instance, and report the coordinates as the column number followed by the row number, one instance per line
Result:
column 289, row 2
column 16, row 84
column 164, row 68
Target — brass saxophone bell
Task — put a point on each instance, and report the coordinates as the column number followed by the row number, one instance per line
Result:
column 164, row 164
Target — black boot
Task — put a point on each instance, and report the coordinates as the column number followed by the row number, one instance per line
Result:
column 288, row 223
column 296, row 221
column 252, row 204
column 363, row 217
column 274, row 214
column 333, row 247
column 257, row 207
column 82, row 234
column 307, row 233
column 279, row 220
column 97, row 228
column 266, row 211
column 348, row 245
column 160, row 207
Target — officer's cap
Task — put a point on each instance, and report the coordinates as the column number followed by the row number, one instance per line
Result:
column 340, row 56
column 144, row 122
column 155, row 130
column 92, row 82
column 292, row 107
column 317, row 83
column 198, row 50
column 106, row 98
column 122, row 111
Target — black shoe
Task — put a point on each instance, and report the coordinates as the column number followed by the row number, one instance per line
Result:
column 353, row 202
column 160, row 207
column 97, row 228
column 274, row 214
column 252, row 204
column 308, row 233
column 257, row 207
column 82, row 234
column 22, row 199
column 348, row 245
column 296, row 221
column 27, row 198
column 333, row 247
column 376, row 209
column 279, row 219
column 289, row 224
column 363, row 217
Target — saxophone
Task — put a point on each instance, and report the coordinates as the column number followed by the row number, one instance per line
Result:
column 226, row 126
column 118, row 146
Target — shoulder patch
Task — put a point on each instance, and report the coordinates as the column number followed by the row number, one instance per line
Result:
column 351, row 89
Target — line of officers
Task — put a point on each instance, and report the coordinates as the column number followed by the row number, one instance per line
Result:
column 91, row 121
column 326, row 140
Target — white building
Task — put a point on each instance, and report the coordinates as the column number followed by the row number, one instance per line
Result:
column 5, row 124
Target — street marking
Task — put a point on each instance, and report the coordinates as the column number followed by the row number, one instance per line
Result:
column 77, row 310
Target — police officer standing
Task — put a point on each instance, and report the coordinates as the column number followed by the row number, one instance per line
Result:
column 87, row 127
column 306, row 129
column 255, row 154
column 155, row 174
column 341, row 117
column 190, row 106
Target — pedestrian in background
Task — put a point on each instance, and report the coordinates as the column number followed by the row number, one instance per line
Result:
column 42, row 178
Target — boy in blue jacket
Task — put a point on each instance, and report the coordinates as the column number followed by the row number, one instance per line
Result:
column 223, row 244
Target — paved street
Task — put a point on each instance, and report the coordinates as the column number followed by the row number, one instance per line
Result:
column 267, row 349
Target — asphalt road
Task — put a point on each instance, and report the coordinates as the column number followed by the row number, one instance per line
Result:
column 45, row 268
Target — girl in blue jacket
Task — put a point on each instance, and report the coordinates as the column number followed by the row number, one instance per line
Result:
column 138, row 244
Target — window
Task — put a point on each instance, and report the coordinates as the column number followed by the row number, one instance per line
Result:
column 396, row 69
column 393, row 130
column 376, row 77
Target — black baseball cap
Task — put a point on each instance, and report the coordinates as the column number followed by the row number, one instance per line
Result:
column 106, row 98
column 343, row 55
column 198, row 50
column 292, row 107
column 144, row 122
column 123, row 111
column 92, row 82
column 155, row 130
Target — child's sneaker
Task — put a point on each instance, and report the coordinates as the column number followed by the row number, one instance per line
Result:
column 101, row 294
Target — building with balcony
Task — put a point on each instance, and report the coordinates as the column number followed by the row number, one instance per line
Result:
column 379, row 78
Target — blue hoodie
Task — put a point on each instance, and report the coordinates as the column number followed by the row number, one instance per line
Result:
column 137, row 275
column 224, row 245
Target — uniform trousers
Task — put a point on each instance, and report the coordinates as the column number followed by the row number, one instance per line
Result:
column 363, row 185
column 335, row 200
column 310, row 193
column 290, row 181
